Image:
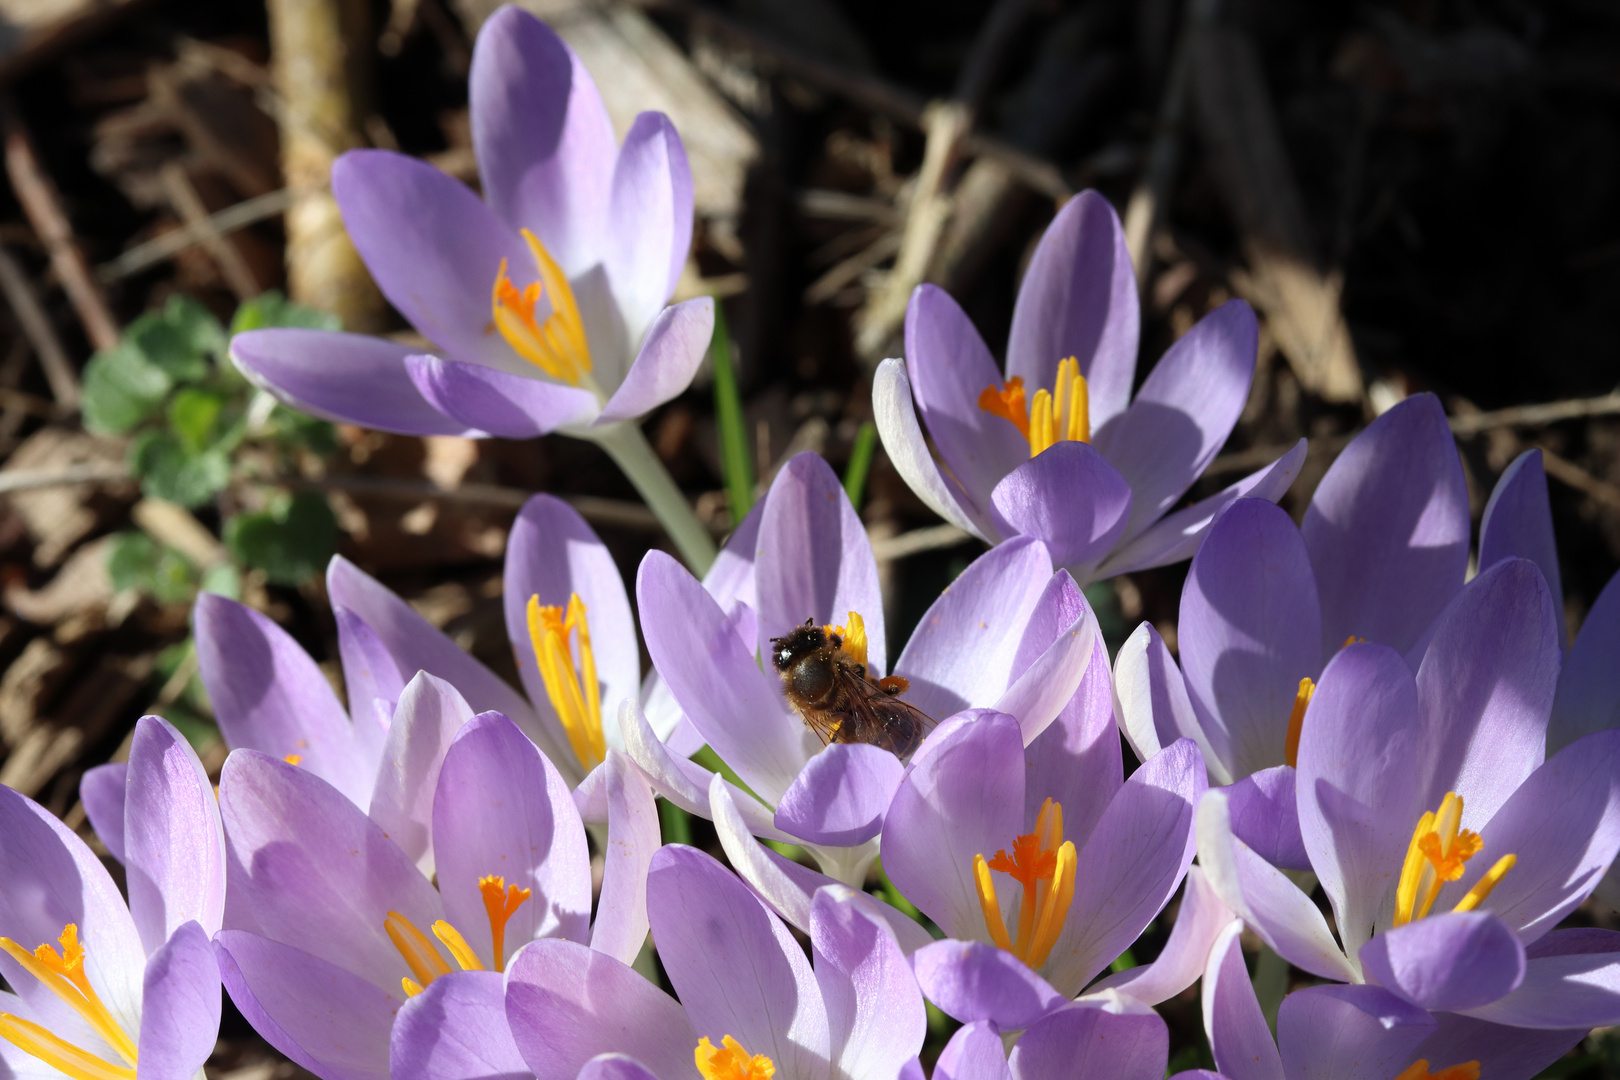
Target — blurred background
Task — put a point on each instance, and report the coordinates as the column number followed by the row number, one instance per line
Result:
column 1415, row 196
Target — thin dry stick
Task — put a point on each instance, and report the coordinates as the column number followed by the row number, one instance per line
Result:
column 189, row 205
column 36, row 325
column 92, row 472
column 1561, row 468
column 1535, row 415
column 170, row 244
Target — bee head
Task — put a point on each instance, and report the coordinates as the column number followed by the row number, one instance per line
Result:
column 803, row 641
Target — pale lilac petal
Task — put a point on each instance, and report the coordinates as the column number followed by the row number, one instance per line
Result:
column 346, row 378
column 1078, row 298
column 1176, row 536
column 633, row 836
column 1572, row 979
column 1487, row 684
column 327, row 1019
column 180, row 1007
column 1353, row 1032
column 908, row 451
column 18, row 1064
column 1049, row 683
column 544, row 142
column 1588, row 696
column 268, row 695
column 1179, row 964
column 310, row 870
column 731, row 579
column 567, row 1003
column 964, row 647
column 102, row 791
column 840, row 796
column 1154, row 710
column 949, row 367
column 1450, row 961
column 974, row 1053
column 1265, row 816
column 974, row 980
column 961, row 796
column 456, row 1029
column 373, row 682
column 1518, row 522
column 815, row 561
column 1249, row 632
column 716, row 679
column 615, row 1067
column 649, row 220
column 1273, row 906
column 1238, row 1036
column 1133, row 862
column 1388, row 529
column 1076, row 760
column 501, row 808
column 429, row 714
column 1112, row 1035
column 676, row 343
column 875, row 1012
column 509, row 404
column 1504, row 1053
column 174, row 845
column 738, row 971
column 1070, row 498
column 1183, row 413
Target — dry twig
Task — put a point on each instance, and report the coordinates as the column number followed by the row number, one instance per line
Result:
column 36, row 324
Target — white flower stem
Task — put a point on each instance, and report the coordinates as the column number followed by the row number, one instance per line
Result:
column 629, row 449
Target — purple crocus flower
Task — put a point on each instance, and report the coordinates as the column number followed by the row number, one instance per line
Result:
column 544, row 301
column 329, row 916
column 750, row 1004
column 1059, row 451
column 1337, row 1032
column 1448, row 844
column 1107, row 1034
column 1005, row 634
column 101, row 990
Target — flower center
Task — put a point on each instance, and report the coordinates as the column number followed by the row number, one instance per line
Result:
column 574, row 694
column 1296, row 721
column 1043, row 864
column 730, row 1061
column 557, row 344
column 423, row 957
column 1436, row 855
column 1062, row 413
column 64, row 975
column 1419, row 1070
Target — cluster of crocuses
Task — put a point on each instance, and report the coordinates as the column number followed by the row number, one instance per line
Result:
column 437, row 877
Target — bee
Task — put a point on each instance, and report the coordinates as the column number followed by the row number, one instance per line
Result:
column 828, row 688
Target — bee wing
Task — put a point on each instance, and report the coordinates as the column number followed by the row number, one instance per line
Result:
column 872, row 716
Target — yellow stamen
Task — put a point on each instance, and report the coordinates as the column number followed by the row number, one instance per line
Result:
column 1482, row 888
column 730, row 1061
column 556, row 346
column 1054, row 906
column 1353, row 640
column 458, row 946
column 420, row 955
column 411, row 986
column 1296, row 721
column 1042, row 428
column 64, row 975
column 851, row 637
column 500, row 902
column 58, row 1052
column 294, row 759
column 1044, row 865
column 575, row 698
column 1051, row 416
column 1419, row 1070
column 989, row 904
column 1437, row 854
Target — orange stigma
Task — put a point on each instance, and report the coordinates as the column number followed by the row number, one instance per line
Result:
column 1296, row 722
column 63, row 974
column 1419, row 1070
column 1043, row 864
column 556, row 344
column 1437, row 854
column 730, row 1061
column 423, row 957
column 501, row 901
column 1062, row 414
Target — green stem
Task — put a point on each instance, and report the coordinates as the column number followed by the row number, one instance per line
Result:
column 1270, row 983
column 629, row 449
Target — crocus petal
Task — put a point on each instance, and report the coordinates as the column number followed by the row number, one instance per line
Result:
column 1249, row 631
column 908, row 451
column 1047, row 685
column 875, row 1011
column 1276, row 909
column 840, row 796
column 493, row 401
column 1265, row 816
column 327, row 1019
column 950, row 366
column 1078, row 299
column 456, row 1029
column 1179, row 964
column 268, row 695
column 1572, row 979
column 1388, row 528
column 676, row 343
column 1588, row 696
column 1154, row 710
column 1349, row 1031
column 1070, row 498
column 1504, row 1053
column 1449, row 962
column 1487, row 683
column 180, row 1007
column 716, row 679
column 1076, row 760
column 502, row 809
column 552, row 554
column 649, row 220
column 815, row 561
column 974, row 1053
column 567, row 1003
column 430, row 713
column 373, row 681
column 1238, row 1037
column 737, row 970
column 1357, row 782
column 615, row 1067
column 1134, row 861
column 961, row 796
column 973, row 980
column 544, row 141
column 1518, row 522
column 633, row 836
column 174, row 846
column 1112, row 1035
column 1176, row 536
column 346, row 378
column 310, row 870
column 963, row 649
column 102, row 792
column 1185, row 410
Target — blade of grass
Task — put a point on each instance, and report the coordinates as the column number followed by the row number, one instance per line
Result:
column 860, row 462
column 736, row 461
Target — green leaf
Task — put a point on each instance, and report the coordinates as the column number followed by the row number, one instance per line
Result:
column 169, row 470
column 196, row 325
column 291, row 540
column 736, row 449
column 294, row 428
column 194, row 417
column 224, row 579
column 860, row 463
column 274, row 309
column 138, row 562
column 168, row 346
column 122, row 388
